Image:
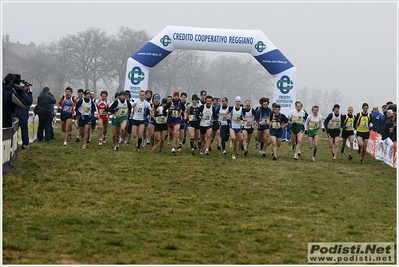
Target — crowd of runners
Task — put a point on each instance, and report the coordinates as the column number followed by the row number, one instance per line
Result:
column 208, row 121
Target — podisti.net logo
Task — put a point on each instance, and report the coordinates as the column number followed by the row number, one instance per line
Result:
column 136, row 75
column 285, row 84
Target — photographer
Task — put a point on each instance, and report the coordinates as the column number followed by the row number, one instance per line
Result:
column 23, row 113
column 43, row 109
column 12, row 98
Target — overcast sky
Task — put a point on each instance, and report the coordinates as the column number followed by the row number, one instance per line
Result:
column 349, row 46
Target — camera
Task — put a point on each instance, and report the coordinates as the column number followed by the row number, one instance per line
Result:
column 27, row 84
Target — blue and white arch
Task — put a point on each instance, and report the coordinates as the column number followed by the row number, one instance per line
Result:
column 210, row 39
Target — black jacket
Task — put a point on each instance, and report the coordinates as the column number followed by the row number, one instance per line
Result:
column 23, row 113
column 44, row 100
column 11, row 100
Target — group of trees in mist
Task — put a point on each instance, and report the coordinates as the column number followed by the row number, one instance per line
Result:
column 95, row 60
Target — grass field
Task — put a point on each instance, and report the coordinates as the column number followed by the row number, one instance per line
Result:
column 66, row 205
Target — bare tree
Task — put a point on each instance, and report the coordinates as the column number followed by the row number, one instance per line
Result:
column 87, row 50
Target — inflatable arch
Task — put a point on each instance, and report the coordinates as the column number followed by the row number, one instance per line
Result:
column 209, row 39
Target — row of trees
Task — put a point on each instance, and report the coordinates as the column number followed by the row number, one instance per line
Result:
column 95, row 60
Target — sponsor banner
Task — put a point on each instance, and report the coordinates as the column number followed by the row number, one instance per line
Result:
column 150, row 55
column 33, row 124
column 351, row 252
column 214, row 39
column 384, row 150
column 10, row 146
column 136, row 78
column 284, row 91
column 274, row 62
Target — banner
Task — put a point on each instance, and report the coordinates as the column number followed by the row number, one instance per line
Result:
column 10, row 146
column 33, row 124
column 210, row 39
column 384, row 150
column 284, row 91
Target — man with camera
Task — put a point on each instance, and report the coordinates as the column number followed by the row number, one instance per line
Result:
column 23, row 113
column 43, row 109
column 13, row 97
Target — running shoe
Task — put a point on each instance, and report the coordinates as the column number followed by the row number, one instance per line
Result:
column 77, row 139
column 104, row 140
column 246, row 152
column 210, row 148
column 193, row 151
column 292, row 148
column 173, row 150
column 361, row 161
column 233, row 156
column 263, row 154
column 84, row 147
column 116, row 148
column 350, row 157
column 219, row 147
column 153, row 148
column 100, row 142
column 296, row 156
column 206, row 152
column 224, row 152
column 201, row 153
column 274, row 157
column 342, row 150
column 148, row 141
column 230, row 144
column 159, row 151
column 359, row 150
column 65, row 143
column 313, row 158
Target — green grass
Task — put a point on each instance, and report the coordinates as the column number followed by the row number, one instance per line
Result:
column 65, row 205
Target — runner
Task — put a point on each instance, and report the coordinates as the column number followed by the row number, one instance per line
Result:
column 297, row 119
column 160, row 113
column 85, row 109
column 237, row 115
column 262, row 118
column 215, row 125
column 102, row 105
column 122, row 110
column 333, row 123
column 75, row 116
column 362, row 126
column 207, row 115
column 174, row 120
column 224, row 123
column 148, row 98
column 193, row 117
column 156, row 103
column 140, row 112
column 183, row 125
column 93, row 120
column 66, row 108
column 248, row 128
column 312, row 129
column 348, row 131
column 278, row 121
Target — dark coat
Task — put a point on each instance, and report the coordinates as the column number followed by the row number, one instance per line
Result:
column 23, row 113
column 9, row 105
column 44, row 100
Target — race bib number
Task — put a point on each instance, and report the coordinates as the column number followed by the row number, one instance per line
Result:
column 139, row 110
column 236, row 118
column 246, row 123
column 102, row 112
column 349, row 125
column 222, row 118
column 122, row 111
column 175, row 113
column 67, row 109
column 336, row 125
column 314, row 126
column 161, row 120
column 264, row 122
column 206, row 117
column 276, row 125
column 86, row 110
column 192, row 117
column 298, row 119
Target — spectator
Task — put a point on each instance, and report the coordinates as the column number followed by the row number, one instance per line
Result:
column 12, row 99
column 44, row 102
column 387, row 127
column 23, row 116
column 53, row 121
column 376, row 119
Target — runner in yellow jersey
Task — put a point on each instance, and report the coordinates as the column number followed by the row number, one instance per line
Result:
column 348, row 128
column 362, row 126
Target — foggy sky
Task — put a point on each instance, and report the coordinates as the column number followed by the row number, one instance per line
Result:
column 352, row 47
